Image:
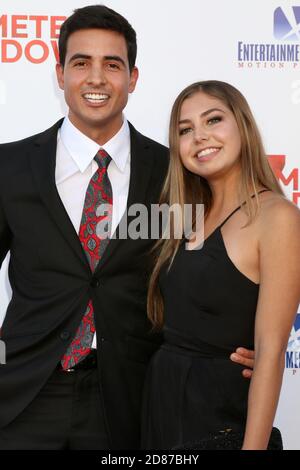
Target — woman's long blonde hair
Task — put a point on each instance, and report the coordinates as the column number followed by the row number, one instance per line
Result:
column 183, row 187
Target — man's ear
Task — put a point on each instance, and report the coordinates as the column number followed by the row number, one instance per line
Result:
column 134, row 75
column 60, row 76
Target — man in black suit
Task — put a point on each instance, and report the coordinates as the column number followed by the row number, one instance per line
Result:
column 76, row 332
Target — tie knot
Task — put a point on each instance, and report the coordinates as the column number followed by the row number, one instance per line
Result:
column 102, row 158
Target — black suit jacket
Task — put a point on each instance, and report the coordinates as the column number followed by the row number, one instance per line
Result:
column 52, row 282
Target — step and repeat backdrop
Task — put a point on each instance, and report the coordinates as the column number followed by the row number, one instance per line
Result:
column 252, row 44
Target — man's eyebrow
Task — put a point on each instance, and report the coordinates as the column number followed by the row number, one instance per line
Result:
column 116, row 58
column 205, row 113
column 80, row 55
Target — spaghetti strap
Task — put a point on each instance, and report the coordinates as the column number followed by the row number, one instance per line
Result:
column 238, row 208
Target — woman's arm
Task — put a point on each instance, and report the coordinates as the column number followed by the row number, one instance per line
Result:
column 279, row 296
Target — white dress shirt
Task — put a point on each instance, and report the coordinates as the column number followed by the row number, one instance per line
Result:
column 75, row 165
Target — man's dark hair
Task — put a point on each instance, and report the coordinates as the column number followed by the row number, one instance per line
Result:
column 97, row 17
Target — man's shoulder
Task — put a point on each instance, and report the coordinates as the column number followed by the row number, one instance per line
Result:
column 148, row 141
column 152, row 150
column 18, row 144
column 27, row 141
column 155, row 144
column 16, row 149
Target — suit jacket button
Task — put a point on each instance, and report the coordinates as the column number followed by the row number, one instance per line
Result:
column 65, row 335
column 95, row 282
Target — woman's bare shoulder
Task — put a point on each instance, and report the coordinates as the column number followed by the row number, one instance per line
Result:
column 277, row 212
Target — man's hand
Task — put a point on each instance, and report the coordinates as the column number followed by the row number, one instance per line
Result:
column 246, row 358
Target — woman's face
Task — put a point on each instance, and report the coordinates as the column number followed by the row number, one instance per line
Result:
column 209, row 138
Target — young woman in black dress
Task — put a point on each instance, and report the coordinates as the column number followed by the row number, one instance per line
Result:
column 242, row 287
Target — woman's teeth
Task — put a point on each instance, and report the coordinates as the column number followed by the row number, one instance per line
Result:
column 206, row 152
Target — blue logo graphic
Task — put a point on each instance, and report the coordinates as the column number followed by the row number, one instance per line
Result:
column 294, row 340
column 292, row 358
column 287, row 24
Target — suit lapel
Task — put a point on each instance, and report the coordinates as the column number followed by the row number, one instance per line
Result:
column 141, row 163
column 43, row 161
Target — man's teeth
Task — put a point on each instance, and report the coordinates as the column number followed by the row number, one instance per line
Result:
column 205, row 152
column 95, row 97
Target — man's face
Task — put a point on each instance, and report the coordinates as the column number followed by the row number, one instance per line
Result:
column 96, row 81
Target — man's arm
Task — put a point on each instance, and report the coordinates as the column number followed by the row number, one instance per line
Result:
column 245, row 357
column 5, row 236
column 5, row 239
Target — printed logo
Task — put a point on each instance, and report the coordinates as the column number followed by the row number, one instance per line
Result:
column 29, row 37
column 294, row 341
column 292, row 360
column 291, row 180
column 287, row 24
column 280, row 54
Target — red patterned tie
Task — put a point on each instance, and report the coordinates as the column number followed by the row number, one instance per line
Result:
column 99, row 192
